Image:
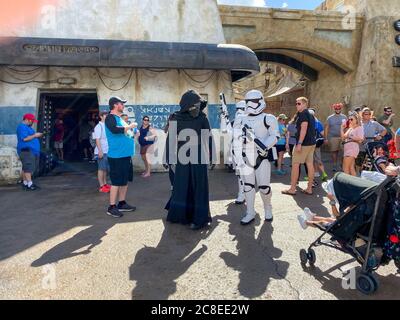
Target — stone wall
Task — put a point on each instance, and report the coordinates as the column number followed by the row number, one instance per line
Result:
column 147, row 90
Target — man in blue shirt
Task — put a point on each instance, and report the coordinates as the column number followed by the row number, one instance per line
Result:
column 28, row 148
column 121, row 149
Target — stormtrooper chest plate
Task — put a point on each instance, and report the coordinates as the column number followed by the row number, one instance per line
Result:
column 258, row 126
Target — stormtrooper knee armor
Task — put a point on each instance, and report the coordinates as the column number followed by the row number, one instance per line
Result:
column 255, row 135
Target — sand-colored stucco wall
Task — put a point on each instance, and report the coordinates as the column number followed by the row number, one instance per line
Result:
column 148, row 20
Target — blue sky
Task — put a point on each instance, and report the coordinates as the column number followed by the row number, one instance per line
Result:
column 289, row 4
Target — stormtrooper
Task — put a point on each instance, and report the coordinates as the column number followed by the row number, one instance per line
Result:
column 227, row 128
column 240, row 112
column 255, row 135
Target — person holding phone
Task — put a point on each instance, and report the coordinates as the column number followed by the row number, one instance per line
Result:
column 352, row 134
column 147, row 136
column 101, row 152
column 121, row 149
column 28, row 149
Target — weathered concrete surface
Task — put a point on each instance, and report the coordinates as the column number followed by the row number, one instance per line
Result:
column 124, row 20
column 320, row 33
column 63, row 230
column 360, row 39
column 170, row 21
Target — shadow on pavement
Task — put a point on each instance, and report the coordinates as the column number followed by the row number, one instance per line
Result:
column 257, row 260
column 156, row 269
column 388, row 285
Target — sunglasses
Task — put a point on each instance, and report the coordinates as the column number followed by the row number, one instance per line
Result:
column 146, row 120
column 366, row 114
column 352, row 119
column 298, row 103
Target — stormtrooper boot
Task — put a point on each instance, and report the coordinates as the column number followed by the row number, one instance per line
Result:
column 251, row 213
column 268, row 213
column 241, row 199
column 266, row 198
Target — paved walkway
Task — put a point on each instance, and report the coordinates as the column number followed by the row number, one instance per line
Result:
column 59, row 244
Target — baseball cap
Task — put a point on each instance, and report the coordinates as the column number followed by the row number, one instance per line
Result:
column 114, row 100
column 31, row 117
column 366, row 110
column 282, row 116
column 338, row 106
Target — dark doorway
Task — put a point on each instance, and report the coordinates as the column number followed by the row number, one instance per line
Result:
column 69, row 118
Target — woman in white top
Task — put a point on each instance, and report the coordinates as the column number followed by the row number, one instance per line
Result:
column 101, row 151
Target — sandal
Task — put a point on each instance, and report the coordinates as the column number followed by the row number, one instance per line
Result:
column 288, row 193
column 306, row 192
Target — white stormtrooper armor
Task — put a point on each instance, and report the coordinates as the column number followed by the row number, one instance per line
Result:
column 240, row 112
column 255, row 135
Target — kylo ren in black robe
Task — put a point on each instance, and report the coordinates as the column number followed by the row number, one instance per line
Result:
column 189, row 203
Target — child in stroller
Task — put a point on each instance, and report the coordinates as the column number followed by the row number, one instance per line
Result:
column 366, row 226
column 377, row 158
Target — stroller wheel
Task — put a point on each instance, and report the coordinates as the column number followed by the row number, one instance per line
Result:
column 312, row 258
column 303, row 257
column 367, row 283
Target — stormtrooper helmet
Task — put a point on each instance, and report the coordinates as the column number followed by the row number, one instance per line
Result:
column 241, row 105
column 255, row 103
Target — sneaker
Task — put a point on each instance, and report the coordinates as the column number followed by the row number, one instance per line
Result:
column 33, row 187
column 108, row 186
column 114, row 212
column 303, row 221
column 104, row 189
column 305, row 178
column 324, row 177
column 317, row 175
column 315, row 184
column 126, row 207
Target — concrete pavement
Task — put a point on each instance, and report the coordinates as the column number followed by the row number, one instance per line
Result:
column 59, row 244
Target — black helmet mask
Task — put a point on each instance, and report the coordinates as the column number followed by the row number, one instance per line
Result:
column 192, row 103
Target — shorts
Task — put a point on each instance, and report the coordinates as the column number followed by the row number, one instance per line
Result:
column 145, row 149
column 335, row 144
column 360, row 158
column 121, row 171
column 58, row 144
column 317, row 156
column 30, row 162
column 280, row 148
column 305, row 156
column 103, row 164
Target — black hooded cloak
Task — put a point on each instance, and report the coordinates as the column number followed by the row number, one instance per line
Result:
column 189, row 203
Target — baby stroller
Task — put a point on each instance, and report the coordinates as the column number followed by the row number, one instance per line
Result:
column 369, row 231
column 370, row 162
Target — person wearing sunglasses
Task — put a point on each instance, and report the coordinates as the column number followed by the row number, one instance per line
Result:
column 147, row 137
column 332, row 133
column 352, row 134
column 386, row 120
column 303, row 152
column 373, row 131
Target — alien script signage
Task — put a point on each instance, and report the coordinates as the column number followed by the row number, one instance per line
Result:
column 62, row 49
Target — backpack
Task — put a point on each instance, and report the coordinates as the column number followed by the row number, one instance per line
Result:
column 319, row 139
